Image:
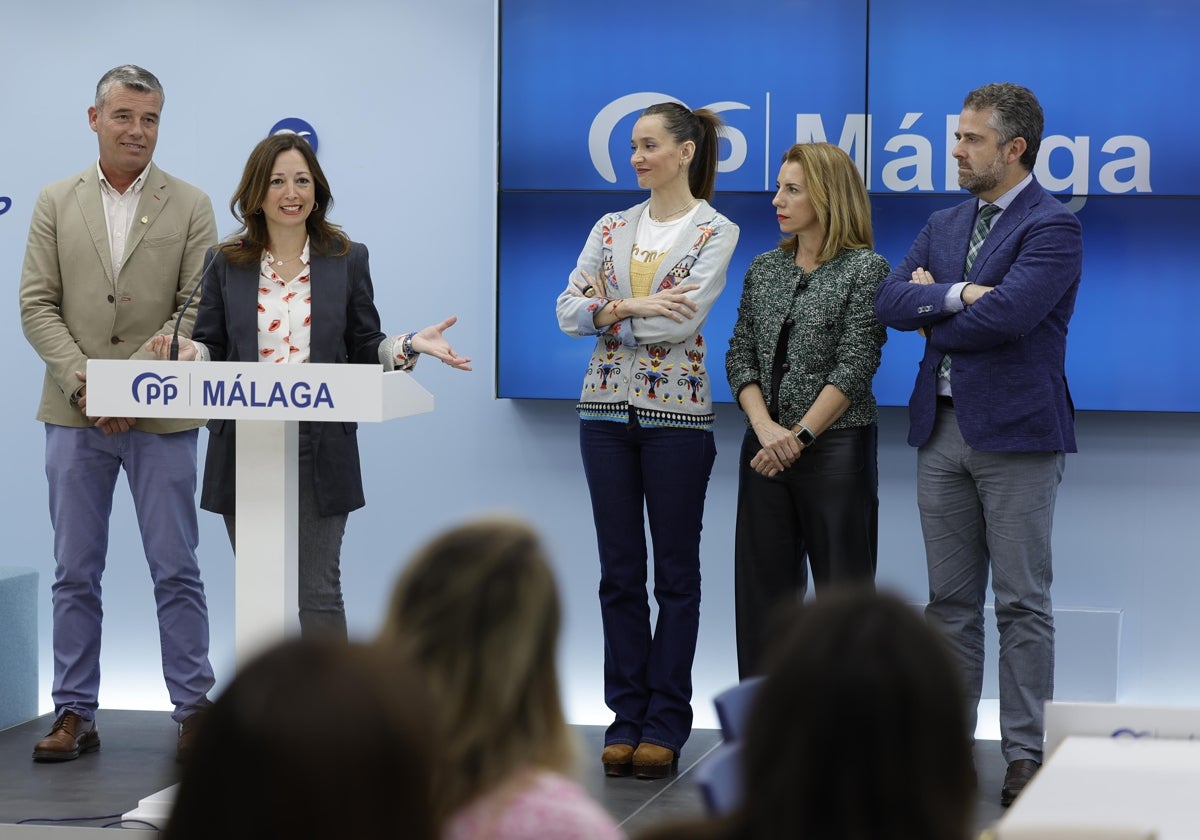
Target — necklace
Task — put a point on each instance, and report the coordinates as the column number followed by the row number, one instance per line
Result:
column 675, row 212
column 287, row 259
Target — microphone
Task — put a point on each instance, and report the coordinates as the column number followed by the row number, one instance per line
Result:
column 241, row 243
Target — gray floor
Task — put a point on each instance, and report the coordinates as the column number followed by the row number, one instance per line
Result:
column 137, row 759
column 638, row 804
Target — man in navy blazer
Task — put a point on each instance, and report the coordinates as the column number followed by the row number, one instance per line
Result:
column 991, row 413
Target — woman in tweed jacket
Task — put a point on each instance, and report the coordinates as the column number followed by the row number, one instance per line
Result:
column 641, row 290
column 804, row 350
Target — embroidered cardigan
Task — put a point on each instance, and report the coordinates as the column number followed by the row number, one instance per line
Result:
column 654, row 366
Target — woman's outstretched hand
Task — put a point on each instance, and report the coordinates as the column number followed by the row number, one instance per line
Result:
column 431, row 342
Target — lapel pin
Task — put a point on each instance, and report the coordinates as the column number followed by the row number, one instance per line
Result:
column 145, row 219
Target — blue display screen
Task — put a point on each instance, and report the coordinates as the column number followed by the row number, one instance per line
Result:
column 887, row 85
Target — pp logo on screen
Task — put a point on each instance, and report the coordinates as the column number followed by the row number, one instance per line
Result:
column 5, row 204
column 295, row 125
column 604, row 122
column 152, row 389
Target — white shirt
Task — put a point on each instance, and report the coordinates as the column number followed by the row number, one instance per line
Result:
column 119, row 209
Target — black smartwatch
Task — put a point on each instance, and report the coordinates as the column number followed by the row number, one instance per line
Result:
column 805, row 436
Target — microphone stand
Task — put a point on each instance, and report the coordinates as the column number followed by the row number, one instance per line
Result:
column 174, row 355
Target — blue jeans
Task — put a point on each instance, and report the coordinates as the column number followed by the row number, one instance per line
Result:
column 81, row 468
column 664, row 473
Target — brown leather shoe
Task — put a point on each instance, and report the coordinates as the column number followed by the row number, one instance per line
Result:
column 617, row 760
column 1018, row 775
column 70, row 736
column 187, row 736
column 650, row 761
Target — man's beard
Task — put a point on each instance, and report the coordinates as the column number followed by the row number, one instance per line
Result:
column 978, row 181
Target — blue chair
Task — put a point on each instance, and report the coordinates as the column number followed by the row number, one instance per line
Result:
column 18, row 645
column 719, row 778
column 733, row 708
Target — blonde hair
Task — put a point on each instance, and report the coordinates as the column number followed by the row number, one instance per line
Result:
column 477, row 609
column 838, row 196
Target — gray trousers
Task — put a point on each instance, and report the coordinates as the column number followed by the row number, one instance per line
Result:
column 992, row 512
column 319, row 557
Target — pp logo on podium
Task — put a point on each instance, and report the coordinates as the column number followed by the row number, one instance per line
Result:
column 152, row 389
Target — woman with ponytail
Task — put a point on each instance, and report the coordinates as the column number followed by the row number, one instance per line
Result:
column 641, row 290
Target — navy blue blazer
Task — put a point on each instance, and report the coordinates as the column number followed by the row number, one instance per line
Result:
column 1009, row 347
column 345, row 329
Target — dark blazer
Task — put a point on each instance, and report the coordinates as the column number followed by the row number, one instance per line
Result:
column 345, row 329
column 1009, row 347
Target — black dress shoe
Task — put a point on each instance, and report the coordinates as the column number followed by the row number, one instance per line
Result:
column 188, row 730
column 1018, row 775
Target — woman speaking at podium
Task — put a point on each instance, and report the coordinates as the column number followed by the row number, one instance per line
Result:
column 288, row 288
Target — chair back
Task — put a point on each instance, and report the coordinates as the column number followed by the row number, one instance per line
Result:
column 733, row 708
column 719, row 778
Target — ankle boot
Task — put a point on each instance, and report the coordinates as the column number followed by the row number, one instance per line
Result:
column 651, row 761
column 617, row 760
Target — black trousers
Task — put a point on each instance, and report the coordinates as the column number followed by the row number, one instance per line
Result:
column 822, row 512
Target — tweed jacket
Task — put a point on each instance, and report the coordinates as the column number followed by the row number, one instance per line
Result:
column 71, row 308
column 345, row 329
column 834, row 339
column 1009, row 347
column 656, row 366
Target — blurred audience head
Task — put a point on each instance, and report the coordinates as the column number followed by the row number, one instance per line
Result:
column 858, row 732
column 861, row 724
column 312, row 739
column 477, row 610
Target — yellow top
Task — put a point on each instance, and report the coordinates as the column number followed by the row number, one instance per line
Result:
column 641, row 271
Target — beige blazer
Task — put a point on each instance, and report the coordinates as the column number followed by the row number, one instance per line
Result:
column 71, row 309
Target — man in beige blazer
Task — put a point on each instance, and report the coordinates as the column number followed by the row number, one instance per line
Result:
column 111, row 256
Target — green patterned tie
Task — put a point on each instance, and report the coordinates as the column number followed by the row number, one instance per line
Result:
column 979, row 234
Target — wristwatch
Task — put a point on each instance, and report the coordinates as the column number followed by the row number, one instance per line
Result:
column 805, row 436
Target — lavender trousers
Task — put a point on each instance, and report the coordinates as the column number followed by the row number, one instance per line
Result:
column 81, row 468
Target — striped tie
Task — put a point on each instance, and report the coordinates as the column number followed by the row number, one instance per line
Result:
column 979, row 234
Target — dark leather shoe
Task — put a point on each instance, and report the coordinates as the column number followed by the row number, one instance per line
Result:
column 617, row 760
column 1018, row 775
column 187, row 736
column 651, row 761
column 71, row 736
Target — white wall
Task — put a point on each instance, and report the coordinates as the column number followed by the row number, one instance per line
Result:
column 402, row 96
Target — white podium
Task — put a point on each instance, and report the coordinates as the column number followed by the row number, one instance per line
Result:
column 268, row 401
column 1110, row 788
